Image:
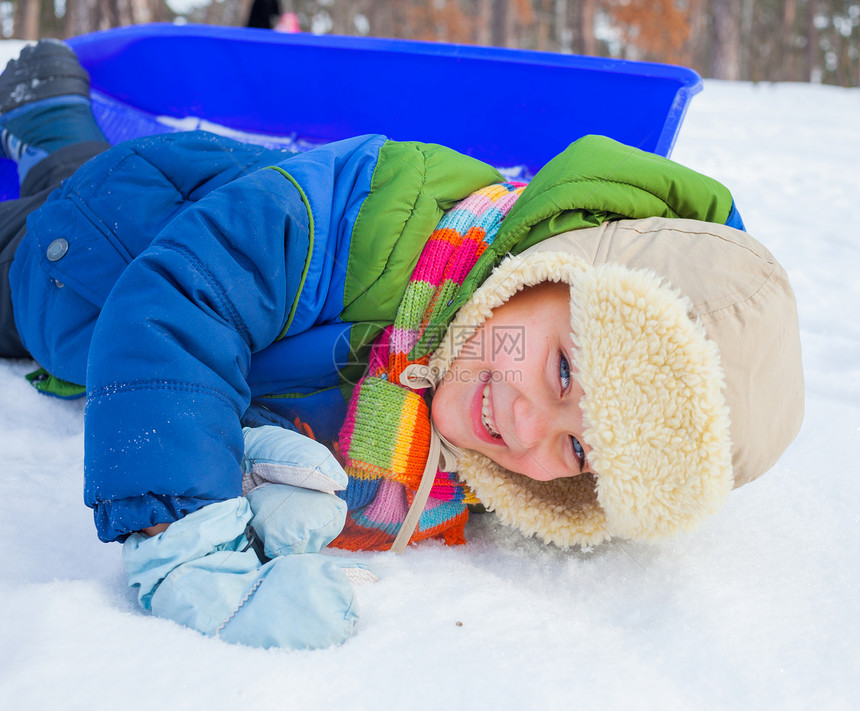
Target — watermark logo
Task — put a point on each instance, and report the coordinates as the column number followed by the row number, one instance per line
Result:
column 492, row 343
column 495, row 342
column 509, row 341
column 350, row 356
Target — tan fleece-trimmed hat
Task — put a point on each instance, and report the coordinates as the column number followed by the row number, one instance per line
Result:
column 688, row 354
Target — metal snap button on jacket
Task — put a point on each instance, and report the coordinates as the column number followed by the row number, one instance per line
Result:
column 57, row 249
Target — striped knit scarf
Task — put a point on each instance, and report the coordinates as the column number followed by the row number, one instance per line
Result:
column 386, row 436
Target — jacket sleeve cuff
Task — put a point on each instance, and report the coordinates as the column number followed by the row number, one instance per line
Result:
column 116, row 520
column 156, row 451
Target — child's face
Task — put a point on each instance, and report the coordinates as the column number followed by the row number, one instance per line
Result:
column 511, row 394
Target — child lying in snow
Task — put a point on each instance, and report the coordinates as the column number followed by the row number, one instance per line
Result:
column 600, row 353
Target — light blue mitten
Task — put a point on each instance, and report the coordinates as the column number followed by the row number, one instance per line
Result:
column 289, row 520
column 290, row 482
column 202, row 573
column 280, row 456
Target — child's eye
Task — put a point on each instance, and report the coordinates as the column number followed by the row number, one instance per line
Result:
column 564, row 372
column 578, row 451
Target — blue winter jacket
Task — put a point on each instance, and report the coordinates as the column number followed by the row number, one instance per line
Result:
column 183, row 277
column 160, row 272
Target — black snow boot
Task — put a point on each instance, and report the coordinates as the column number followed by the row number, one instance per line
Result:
column 49, row 68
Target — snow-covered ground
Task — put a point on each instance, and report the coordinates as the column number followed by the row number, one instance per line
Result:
column 759, row 609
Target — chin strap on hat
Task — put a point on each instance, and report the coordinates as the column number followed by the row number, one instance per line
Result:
column 442, row 456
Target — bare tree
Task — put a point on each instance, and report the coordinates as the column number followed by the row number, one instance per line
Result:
column 786, row 66
column 725, row 57
column 29, row 17
column 588, row 11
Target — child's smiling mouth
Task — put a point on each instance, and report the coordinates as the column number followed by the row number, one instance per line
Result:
column 486, row 412
column 483, row 420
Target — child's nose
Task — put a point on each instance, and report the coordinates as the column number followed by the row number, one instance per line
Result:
column 531, row 424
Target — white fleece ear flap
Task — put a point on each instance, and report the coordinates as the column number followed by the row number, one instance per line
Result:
column 564, row 511
column 657, row 421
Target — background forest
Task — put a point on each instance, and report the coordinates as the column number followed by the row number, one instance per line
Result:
column 757, row 40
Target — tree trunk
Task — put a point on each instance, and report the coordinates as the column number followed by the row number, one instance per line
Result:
column 698, row 45
column 140, row 11
column 76, row 12
column 589, row 41
column 499, row 23
column 30, row 19
column 725, row 58
column 483, row 34
column 813, row 50
column 786, row 55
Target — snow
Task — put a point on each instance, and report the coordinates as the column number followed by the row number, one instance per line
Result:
column 757, row 609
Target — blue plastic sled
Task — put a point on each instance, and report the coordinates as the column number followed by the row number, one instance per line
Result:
column 514, row 109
